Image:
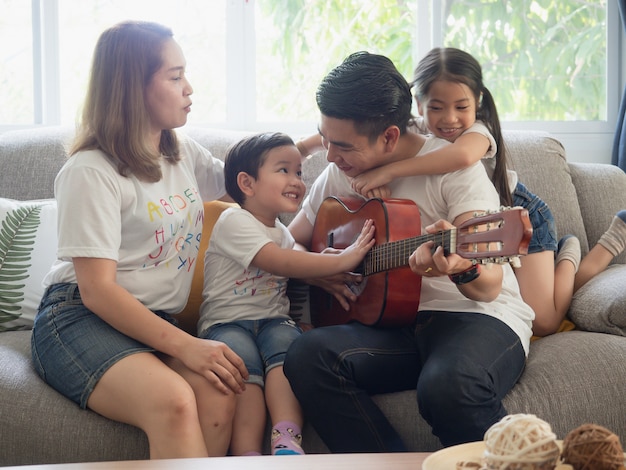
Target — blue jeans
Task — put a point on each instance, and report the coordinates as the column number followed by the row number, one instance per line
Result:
column 462, row 365
column 261, row 344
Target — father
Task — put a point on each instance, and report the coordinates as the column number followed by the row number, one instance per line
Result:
column 469, row 344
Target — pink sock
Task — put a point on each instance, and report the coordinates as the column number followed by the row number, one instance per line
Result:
column 286, row 439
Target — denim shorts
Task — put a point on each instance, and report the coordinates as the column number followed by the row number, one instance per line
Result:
column 541, row 218
column 73, row 347
column 261, row 344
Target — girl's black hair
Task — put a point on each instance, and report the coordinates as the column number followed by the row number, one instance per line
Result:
column 458, row 66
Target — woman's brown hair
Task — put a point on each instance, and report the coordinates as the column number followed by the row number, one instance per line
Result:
column 114, row 117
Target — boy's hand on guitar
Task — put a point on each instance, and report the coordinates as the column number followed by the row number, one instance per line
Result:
column 355, row 253
column 350, row 257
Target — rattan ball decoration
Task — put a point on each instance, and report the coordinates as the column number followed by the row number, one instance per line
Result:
column 520, row 441
column 593, row 447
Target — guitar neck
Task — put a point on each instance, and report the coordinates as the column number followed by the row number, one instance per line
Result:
column 486, row 237
column 396, row 254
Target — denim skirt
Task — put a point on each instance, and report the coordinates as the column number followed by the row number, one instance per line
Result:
column 73, row 347
column 544, row 229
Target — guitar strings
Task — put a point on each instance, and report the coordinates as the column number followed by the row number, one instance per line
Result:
column 396, row 254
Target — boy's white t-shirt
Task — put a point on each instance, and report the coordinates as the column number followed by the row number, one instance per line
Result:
column 152, row 230
column 233, row 288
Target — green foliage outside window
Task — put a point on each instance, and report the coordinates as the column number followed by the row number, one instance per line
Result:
column 542, row 59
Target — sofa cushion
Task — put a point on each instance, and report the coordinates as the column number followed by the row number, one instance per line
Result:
column 188, row 317
column 28, row 245
column 600, row 305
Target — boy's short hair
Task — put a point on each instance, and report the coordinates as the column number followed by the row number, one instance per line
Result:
column 248, row 155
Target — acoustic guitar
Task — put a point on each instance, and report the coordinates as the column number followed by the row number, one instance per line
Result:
column 390, row 291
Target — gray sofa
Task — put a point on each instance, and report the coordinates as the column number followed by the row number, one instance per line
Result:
column 571, row 377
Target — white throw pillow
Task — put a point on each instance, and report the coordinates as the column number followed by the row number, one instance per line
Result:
column 28, row 246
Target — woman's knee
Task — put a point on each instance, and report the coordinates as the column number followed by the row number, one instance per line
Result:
column 176, row 402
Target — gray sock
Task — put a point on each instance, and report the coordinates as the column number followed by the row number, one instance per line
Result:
column 614, row 239
column 569, row 249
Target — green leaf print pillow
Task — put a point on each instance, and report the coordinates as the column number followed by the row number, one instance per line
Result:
column 28, row 245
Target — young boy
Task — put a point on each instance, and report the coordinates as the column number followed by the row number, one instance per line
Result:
column 247, row 264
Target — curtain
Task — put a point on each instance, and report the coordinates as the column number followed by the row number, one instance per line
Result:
column 619, row 143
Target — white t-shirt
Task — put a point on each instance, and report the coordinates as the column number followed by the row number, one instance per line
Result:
column 444, row 196
column 233, row 288
column 152, row 230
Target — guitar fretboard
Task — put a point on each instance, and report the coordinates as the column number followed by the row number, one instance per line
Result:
column 396, row 254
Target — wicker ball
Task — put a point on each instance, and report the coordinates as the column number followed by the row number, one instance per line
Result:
column 593, row 447
column 520, row 441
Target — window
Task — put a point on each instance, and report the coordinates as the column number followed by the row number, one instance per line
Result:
column 16, row 64
column 255, row 64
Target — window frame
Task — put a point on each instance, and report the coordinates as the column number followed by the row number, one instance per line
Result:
column 240, row 68
column 432, row 36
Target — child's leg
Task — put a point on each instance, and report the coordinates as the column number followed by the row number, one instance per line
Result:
column 548, row 290
column 249, row 422
column 249, row 416
column 274, row 338
column 545, row 287
column 611, row 244
column 285, row 412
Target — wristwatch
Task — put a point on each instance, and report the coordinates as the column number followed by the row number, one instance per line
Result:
column 466, row 276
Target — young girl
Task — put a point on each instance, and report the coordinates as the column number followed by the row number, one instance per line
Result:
column 249, row 258
column 456, row 106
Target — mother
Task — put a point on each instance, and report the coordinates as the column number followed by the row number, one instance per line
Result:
column 130, row 201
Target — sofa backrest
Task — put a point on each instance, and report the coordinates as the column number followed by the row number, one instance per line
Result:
column 30, row 159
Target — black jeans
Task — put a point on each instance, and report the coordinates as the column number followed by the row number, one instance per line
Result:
column 462, row 364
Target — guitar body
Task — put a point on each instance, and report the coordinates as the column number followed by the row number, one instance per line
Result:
column 386, row 299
